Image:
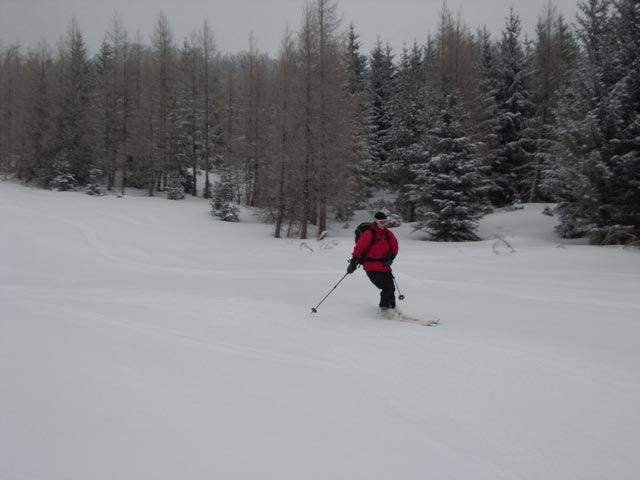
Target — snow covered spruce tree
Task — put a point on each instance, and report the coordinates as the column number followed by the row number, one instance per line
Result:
column 554, row 60
column 577, row 172
column 407, row 116
column 75, row 134
column 597, row 168
column 382, row 72
column 425, row 76
column 94, row 186
column 508, row 84
column 363, row 137
column 486, row 126
column 105, row 103
column 448, row 186
column 618, row 218
column 222, row 202
column 63, row 177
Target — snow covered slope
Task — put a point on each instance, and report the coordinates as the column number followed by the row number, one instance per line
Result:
column 143, row 339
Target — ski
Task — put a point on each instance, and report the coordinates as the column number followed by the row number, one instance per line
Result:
column 419, row 321
column 400, row 317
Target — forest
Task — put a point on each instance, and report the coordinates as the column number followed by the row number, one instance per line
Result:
column 453, row 128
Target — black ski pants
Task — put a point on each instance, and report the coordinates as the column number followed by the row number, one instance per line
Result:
column 384, row 281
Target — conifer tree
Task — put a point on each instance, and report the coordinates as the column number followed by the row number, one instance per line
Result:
column 510, row 88
column 363, row 137
column 106, row 112
column 189, row 115
column 572, row 177
column 619, row 214
column 63, row 177
column 486, row 126
column 75, row 125
column 407, row 115
column 357, row 73
column 137, row 149
column 38, row 134
column 222, row 203
column 555, row 55
column 355, row 63
column 94, row 186
column 382, row 72
column 597, row 169
column 448, row 187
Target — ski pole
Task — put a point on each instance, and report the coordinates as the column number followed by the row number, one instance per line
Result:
column 315, row 310
column 400, row 295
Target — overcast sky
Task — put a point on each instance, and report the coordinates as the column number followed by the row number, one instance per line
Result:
column 394, row 21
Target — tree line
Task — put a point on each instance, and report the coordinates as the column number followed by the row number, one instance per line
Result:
column 454, row 127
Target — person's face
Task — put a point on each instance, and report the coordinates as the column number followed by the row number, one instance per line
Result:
column 382, row 222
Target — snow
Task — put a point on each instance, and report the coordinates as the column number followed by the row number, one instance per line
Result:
column 143, row 339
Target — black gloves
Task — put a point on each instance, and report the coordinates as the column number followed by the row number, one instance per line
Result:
column 386, row 261
column 353, row 264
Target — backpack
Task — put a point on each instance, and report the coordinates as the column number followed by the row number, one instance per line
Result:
column 360, row 229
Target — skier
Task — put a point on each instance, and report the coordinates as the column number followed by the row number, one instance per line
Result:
column 376, row 249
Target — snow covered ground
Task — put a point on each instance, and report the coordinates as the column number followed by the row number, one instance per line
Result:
column 143, row 339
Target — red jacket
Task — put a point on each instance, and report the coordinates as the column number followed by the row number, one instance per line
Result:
column 385, row 244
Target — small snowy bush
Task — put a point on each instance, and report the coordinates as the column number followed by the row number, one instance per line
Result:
column 175, row 193
column 222, row 202
column 94, row 187
column 63, row 179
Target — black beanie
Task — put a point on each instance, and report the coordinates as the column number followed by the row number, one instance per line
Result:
column 380, row 216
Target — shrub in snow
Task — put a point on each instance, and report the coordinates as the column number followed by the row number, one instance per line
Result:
column 512, row 208
column 221, row 203
column 394, row 220
column 226, row 211
column 94, row 187
column 615, row 235
column 175, row 193
column 63, row 179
